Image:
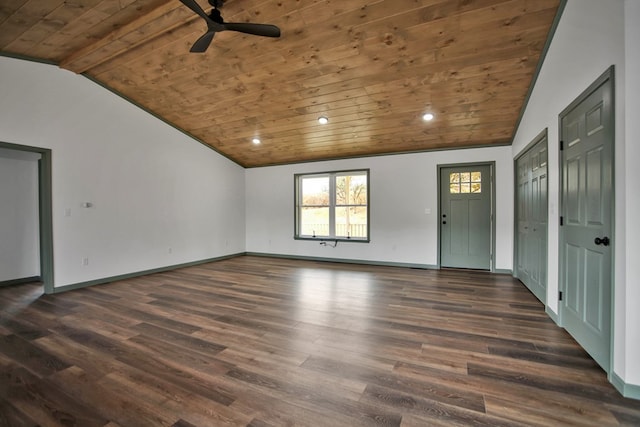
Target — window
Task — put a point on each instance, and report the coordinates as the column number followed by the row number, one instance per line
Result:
column 332, row 205
column 465, row 182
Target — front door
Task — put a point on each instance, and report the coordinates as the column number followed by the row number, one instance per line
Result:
column 465, row 217
column 587, row 199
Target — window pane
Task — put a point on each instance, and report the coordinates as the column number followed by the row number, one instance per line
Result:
column 464, row 188
column 454, row 177
column 465, row 177
column 476, row 187
column 351, row 190
column 332, row 205
column 351, row 221
column 314, row 221
column 476, row 176
column 315, row 191
column 454, row 188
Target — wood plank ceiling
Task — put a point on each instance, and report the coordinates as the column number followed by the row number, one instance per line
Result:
column 372, row 67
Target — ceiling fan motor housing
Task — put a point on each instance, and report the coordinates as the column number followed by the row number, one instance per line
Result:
column 216, row 16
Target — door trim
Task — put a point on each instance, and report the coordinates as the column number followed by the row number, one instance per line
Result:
column 608, row 75
column 492, row 168
column 45, row 211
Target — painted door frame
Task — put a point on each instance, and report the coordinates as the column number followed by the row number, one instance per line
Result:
column 608, row 75
column 492, row 168
column 45, row 211
column 544, row 135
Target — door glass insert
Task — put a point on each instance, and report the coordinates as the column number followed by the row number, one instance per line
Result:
column 465, row 182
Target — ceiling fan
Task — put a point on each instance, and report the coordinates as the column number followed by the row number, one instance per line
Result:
column 215, row 24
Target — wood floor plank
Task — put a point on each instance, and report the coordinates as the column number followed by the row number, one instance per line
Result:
column 31, row 356
column 430, row 411
column 596, row 392
column 43, row 402
column 123, row 409
column 314, row 397
column 257, row 341
column 559, row 405
column 551, row 414
column 10, row 416
column 444, row 394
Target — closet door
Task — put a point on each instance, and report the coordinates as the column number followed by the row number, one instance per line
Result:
column 523, row 168
column 532, row 216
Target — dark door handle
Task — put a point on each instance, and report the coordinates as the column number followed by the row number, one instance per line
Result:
column 604, row 241
column 444, row 222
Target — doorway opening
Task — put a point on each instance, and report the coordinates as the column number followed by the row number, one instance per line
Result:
column 44, row 207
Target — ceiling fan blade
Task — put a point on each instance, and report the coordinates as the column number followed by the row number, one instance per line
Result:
column 203, row 42
column 266, row 30
column 191, row 4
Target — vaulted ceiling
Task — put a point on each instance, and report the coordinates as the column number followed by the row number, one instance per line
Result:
column 373, row 68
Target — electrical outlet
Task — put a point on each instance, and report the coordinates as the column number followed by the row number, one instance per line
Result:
column 85, row 261
column 170, row 250
column 67, row 212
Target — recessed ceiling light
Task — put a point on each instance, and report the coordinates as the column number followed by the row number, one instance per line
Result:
column 323, row 120
column 256, row 141
column 427, row 117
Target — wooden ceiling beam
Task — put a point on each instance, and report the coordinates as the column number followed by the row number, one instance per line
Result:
column 158, row 21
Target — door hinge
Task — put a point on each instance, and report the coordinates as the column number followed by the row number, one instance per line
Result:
column 559, row 295
column 561, row 145
column 561, row 220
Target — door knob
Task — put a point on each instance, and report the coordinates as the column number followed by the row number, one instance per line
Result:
column 444, row 222
column 604, row 241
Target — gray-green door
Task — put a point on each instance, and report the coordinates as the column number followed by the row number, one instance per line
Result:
column 465, row 217
column 587, row 200
column 531, row 211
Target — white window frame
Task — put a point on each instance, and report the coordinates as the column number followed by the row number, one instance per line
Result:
column 332, row 206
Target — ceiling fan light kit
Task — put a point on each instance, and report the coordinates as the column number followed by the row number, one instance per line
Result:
column 216, row 24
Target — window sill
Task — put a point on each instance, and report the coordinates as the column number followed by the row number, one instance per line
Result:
column 331, row 239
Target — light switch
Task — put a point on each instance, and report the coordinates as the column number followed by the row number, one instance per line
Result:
column 427, row 211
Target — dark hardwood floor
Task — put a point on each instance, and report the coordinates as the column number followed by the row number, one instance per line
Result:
column 271, row 342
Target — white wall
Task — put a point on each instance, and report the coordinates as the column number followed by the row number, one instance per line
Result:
column 19, row 226
column 152, row 188
column 589, row 39
column 402, row 187
column 631, row 297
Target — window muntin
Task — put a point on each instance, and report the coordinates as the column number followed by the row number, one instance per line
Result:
column 333, row 205
column 465, row 182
